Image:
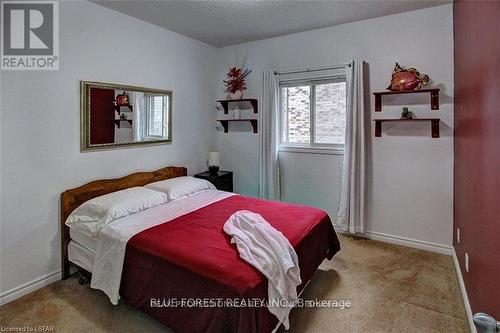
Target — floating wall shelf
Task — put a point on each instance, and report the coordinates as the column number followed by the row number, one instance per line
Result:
column 118, row 121
column 118, row 108
column 225, row 123
column 433, row 92
column 241, row 103
column 434, row 125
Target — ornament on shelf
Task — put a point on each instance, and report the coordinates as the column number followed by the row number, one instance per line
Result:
column 406, row 114
column 407, row 79
column 122, row 99
column 236, row 112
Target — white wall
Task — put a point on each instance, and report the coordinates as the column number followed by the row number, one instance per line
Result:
column 409, row 173
column 40, row 126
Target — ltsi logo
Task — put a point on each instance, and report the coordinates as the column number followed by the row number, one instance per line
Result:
column 30, row 35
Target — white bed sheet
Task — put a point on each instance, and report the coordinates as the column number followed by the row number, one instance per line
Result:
column 83, row 239
column 112, row 239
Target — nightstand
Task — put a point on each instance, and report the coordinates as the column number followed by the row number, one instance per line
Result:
column 223, row 180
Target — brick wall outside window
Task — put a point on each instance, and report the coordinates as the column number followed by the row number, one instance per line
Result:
column 330, row 105
column 297, row 101
column 330, row 113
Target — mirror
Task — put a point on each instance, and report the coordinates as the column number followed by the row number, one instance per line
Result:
column 115, row 115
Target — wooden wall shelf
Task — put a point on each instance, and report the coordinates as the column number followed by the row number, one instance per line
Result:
column 225, row 123
column 242, row 104
column 118, row 121
column 118, row 108
column 434, row 92
column 434, row 125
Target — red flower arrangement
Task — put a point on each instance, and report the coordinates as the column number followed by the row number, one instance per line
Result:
column 236, row 80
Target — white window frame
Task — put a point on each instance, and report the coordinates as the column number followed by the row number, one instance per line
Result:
column 311, row 147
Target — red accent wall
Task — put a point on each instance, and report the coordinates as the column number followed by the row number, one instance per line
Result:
column 477, row 150
column 102, row 113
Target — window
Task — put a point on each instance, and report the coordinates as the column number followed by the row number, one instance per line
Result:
column 313, row 113
column 156, row 116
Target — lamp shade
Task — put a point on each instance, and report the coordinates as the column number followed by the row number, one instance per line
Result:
column 213, row 158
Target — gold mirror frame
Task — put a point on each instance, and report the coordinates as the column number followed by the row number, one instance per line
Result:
column 85, row 144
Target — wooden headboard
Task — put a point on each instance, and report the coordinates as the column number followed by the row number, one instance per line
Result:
column 73, row 198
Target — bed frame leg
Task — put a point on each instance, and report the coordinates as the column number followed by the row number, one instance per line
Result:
column 65, row 269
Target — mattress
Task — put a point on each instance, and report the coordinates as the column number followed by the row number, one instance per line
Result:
column 81, row 255
column 81, row 249
column 86, row 241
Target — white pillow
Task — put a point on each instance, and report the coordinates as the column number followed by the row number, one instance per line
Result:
column 180, row 187
column 91, row 216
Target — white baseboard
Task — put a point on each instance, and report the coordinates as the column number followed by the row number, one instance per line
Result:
column 461, row 283
column 28, row 287
column 410, row 242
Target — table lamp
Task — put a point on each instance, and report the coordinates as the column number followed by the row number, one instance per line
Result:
column 213, row 162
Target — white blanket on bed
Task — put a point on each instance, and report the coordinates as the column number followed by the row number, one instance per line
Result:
column 112, row 239
column 271, row 253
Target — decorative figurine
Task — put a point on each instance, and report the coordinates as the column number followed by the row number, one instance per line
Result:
column 407, row 79
column 406, row 114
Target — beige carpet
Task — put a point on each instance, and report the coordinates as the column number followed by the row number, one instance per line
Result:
column 392, row 289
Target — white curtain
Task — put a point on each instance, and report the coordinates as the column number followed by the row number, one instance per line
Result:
column 351, row 215
column 269, row 178
column 137, row 113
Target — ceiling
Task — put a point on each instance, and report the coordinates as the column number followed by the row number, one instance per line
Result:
column 222, row 23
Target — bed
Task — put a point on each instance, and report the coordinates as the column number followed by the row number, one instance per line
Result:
column 181, row 268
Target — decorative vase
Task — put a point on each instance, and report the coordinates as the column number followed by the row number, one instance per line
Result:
column 238, row 94
column 236, row 112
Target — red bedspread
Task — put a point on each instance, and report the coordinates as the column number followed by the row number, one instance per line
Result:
column 191, row 258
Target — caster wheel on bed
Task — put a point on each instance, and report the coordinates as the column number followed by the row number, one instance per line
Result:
column 84, row 280
column 84, row 277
